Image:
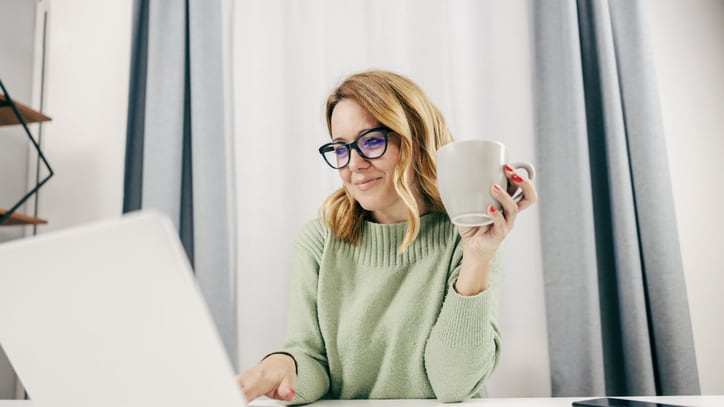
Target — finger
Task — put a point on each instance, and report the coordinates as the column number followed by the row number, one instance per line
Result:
column 528, row 191
column 514, row 179
column 241, row 381
column 530, row 195
column 253, row 384
column 499, row 226
column 510, row 207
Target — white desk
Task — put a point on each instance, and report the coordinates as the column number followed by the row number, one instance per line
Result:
column 697, row 401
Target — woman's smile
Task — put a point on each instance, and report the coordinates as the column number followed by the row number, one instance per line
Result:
column 366, row 184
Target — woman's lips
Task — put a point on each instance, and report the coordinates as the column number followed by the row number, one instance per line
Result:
column 366, row 184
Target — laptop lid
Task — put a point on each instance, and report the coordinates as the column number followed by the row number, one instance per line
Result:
column 109, row 314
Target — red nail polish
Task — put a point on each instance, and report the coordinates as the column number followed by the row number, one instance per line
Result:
column 517, row 178
column 508, row 168
column 294, row 393
column 496, row 186
column 491, row 209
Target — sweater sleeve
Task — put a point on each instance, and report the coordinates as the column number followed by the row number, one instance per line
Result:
column 464, row 344
column 304, row 340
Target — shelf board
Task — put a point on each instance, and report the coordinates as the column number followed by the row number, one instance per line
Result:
column 20, row 219
column 7, row 116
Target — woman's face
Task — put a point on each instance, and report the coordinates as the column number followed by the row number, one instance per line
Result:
column 370, row 182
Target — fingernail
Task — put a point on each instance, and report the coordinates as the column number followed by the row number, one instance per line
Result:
column 509, row 168
column 517, row 178
column 496, row 186
column 491, row 209
column 292, row 392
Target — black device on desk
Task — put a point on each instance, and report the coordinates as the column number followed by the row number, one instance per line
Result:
column 613, row 402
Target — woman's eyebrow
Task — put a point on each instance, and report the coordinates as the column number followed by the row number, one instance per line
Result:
column 358, row 134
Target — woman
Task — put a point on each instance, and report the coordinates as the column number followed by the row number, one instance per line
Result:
column 388, row 298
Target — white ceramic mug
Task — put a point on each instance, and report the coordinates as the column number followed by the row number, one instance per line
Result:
column 466, row 170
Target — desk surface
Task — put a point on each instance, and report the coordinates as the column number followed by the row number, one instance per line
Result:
column 695, row 401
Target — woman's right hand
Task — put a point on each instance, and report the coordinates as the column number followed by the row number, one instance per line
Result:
column 274, row 377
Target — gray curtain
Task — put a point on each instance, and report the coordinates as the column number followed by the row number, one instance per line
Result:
column 616, row 304
column 176, row 155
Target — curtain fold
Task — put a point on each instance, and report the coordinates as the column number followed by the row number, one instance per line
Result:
column 617, row 311
column 213, row 206
column 176, row 159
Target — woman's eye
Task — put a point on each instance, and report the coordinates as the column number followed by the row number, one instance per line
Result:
column 373, row 142
column 341, row 151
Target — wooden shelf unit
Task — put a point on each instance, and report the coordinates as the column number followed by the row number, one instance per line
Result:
column 8, row 118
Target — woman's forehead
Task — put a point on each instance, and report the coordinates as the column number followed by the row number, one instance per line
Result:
column 349, row 119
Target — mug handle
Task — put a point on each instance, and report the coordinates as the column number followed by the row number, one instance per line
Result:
column 529, row 170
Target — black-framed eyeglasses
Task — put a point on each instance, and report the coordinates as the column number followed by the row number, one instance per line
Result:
column 370, row 144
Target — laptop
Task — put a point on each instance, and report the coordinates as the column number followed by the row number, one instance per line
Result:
column 109, row 314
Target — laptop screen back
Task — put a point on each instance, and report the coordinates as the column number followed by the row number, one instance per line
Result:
column 110, row 314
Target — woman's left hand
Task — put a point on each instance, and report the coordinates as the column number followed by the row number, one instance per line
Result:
column 481, row 242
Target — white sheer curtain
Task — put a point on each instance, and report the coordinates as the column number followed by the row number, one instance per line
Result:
column 473, row 60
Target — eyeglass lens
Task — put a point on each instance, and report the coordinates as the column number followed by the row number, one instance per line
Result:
column 371, row 145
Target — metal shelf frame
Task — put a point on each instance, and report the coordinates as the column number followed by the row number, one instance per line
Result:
column 8, row 102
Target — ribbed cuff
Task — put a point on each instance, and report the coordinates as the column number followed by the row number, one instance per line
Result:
column 308, row 383
column 465, row 321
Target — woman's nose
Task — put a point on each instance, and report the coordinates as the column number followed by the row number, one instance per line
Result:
column 356, row 161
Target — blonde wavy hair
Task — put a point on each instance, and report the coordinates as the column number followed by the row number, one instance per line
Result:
column 400, row 105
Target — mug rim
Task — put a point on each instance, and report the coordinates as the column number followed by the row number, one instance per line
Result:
column 475, row 141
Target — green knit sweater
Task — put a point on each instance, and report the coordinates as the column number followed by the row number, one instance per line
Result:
column 368, row 322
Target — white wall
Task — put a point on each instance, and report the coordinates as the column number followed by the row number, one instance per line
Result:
column 88, row 63
column 688, row 41
column 17, row 34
